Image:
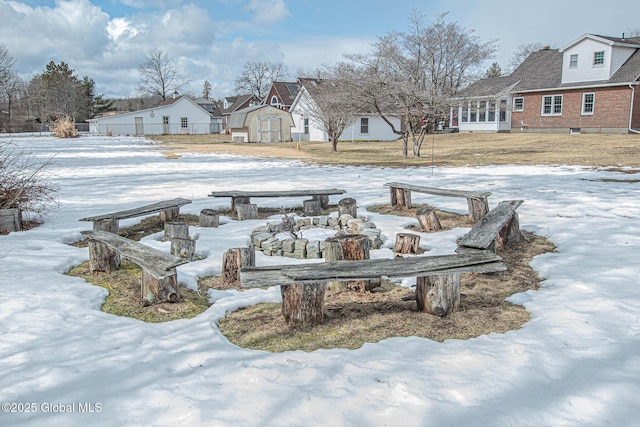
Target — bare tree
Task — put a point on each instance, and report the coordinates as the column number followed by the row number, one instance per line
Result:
column 256, row 77
column 522, row 52
column 9, row 86
column 632, row 32
column 413, row 74
column 327, row 102
column 160, row 75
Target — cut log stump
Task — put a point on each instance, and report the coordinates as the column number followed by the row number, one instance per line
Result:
column 247, row 211
column 233, row 260
column 11, row 219
column 176, row 230
column 406, row 243
column 428, row 219
column 209, row 218
column 477, row 208
column 312, row 207
column 400, row 198
column 438, row 295
column 102, row 257
column 159, row 287
column 348, row 206
column 171, row 214
column 303, row 304
column 183, row 248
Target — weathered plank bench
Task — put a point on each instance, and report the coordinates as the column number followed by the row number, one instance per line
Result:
column 169, row 211
column 319, row 198
column 498, row 227
column 477, row 201
column 159, row 276
column 303, row 286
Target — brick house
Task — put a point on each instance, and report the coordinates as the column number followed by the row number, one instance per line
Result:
column 282, row 94
column 590, row 85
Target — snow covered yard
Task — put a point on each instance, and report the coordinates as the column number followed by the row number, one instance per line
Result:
column 576, row 363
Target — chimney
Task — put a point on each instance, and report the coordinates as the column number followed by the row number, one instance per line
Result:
column 622, row 36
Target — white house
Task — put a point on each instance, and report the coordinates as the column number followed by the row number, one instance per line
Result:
column 181, row 115
column 365, row 126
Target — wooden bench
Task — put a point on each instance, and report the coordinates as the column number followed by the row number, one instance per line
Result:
column 159, row 276
column 169, row 211
column 303, row 286
column 477, row 201
column 319, row 198
column 498, row 227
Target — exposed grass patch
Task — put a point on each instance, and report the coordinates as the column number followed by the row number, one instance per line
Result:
column 448, row 220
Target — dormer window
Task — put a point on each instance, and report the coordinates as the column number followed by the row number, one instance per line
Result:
column 573, row 61
column 274, row 101
column 598, row 58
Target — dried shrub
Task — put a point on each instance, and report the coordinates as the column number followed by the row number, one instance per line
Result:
column 24, row 181
column 64, row 127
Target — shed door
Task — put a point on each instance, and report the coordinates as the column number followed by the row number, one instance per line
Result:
column 269, row 129
column 139, row 126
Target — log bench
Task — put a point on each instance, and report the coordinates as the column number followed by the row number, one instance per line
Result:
column 303, row 286
column 169, row 211
column 159, row 276
column 319, row 198
column 477, row 201
column 498, row 227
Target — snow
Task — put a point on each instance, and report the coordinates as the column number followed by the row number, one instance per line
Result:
column 575, row 363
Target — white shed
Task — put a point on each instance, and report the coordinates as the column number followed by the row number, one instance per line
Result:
column 181, row 115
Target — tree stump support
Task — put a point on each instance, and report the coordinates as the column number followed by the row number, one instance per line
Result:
column 312, row 207
column 171, row 214
column 400, row 198
column 303, row 304
column 349, row 247
column 239, row 200
column 233, row 260
column 406, row 243
column 428, row 219
column 477, row 208
column 438, row 295
column 102, row 257
column 324, row 200
column 158, row 287
column 209, row 218
column 348, row 206
column 247, row 211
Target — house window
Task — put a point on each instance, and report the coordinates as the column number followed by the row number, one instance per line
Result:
column 306, row 125
column 518, row 103
column 492, row 111
column 552, row 105
column 503, row 110
column 274, row 101
column 598, row 58
column 464, row 117
column 482, row 111
column 184, row 122
column 573, row 61
column 473, row 112
column 588, row 100
column 364, row 125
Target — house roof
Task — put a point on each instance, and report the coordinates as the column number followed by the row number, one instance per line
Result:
column 287, row 92
column 542, row 70
column 163, row 105
column 611, row 41
column 237, row 119
column 236, row 102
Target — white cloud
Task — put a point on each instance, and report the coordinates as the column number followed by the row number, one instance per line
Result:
column 268, row 12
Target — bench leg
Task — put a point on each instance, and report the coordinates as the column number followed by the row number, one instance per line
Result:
column 108, row 225
column 438, row 295
column 235, row 201
column 312, row 207
column 510, row 233
column 247, row 211
column 303, row 304
column 168, row 215
column 400, row 198
column 157, row 289
column 324, row 201
column 477, row 209
column 102, row 258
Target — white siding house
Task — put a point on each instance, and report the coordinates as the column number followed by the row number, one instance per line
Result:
column 180, row 116
column 365, row 126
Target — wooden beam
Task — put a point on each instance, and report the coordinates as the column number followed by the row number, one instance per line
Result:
column 486, row 230
column 440, row 191
column 478, row 261
column 274, row 193
column 143, row 210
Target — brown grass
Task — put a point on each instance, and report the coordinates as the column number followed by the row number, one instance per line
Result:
column 64, row 127
column 461, row 149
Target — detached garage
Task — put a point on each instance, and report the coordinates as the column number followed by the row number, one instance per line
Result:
column 260, row 123
column 176, row 116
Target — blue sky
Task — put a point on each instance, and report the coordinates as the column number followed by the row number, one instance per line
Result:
column 212, row 40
